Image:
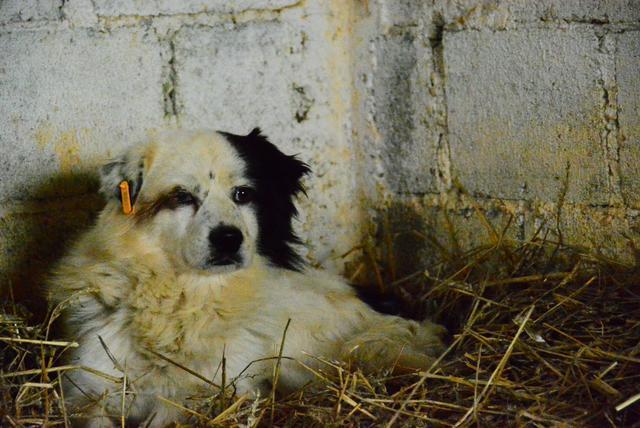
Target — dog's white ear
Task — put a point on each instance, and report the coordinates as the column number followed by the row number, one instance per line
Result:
column 128, row 167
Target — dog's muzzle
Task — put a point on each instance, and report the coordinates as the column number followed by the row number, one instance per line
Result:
column 225, row 243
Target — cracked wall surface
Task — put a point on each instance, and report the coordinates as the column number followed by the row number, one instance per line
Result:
column 532, row 107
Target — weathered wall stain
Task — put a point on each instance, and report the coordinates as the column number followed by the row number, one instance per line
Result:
column 65, row 144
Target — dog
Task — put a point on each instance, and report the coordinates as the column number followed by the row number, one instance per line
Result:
column 204, row 267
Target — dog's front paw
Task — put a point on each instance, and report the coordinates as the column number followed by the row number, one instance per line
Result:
column 430, row 338
column 396, row 343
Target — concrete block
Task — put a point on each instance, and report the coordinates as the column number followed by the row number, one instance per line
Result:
column 628, row 76
column 286, row 79
column 171, row 7
column 29, row 10
column 238, row 77
column 612, row 232
column 575, row 10
column 401, row 89
column 400, row 13
column 476, row 14
column 71, row 99
column 80, row 13
column 424, row 231
column 522, row 106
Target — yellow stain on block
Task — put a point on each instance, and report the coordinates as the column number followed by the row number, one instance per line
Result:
column 67, row 148
column 44, row 135
column 66, row 144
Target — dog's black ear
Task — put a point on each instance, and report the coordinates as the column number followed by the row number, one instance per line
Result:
column 128, row 167
column 288, row 170
column 268, row 164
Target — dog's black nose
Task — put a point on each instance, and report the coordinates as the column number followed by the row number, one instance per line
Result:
column 225, row 240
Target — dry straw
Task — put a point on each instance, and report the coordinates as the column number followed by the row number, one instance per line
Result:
column 541, row 335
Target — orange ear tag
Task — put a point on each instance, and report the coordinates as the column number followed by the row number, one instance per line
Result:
column 125, row 197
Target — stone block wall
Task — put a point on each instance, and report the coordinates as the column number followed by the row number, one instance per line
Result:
column 531, row 107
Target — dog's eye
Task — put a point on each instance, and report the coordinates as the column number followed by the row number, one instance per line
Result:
column 243, row 195
column 182, row 197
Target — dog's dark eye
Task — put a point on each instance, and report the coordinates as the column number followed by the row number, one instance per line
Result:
column 181, row 197
column 243, row 195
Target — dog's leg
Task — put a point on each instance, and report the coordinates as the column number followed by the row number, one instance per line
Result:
column 393, row 342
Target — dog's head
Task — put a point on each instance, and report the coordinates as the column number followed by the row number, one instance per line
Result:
column 211, row 200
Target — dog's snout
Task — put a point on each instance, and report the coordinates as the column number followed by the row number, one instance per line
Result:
column 226, row 239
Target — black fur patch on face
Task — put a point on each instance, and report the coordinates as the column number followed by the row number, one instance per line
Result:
column 276, row 178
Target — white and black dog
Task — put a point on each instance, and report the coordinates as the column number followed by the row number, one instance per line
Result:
column 205, row 266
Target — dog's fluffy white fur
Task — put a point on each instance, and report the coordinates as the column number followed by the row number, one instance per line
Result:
column 160, row 283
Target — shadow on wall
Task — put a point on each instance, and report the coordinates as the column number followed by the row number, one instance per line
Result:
column 394, row 258
column 413, row 242
column 36, row 235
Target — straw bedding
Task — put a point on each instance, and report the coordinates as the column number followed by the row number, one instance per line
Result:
column 541, row 335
